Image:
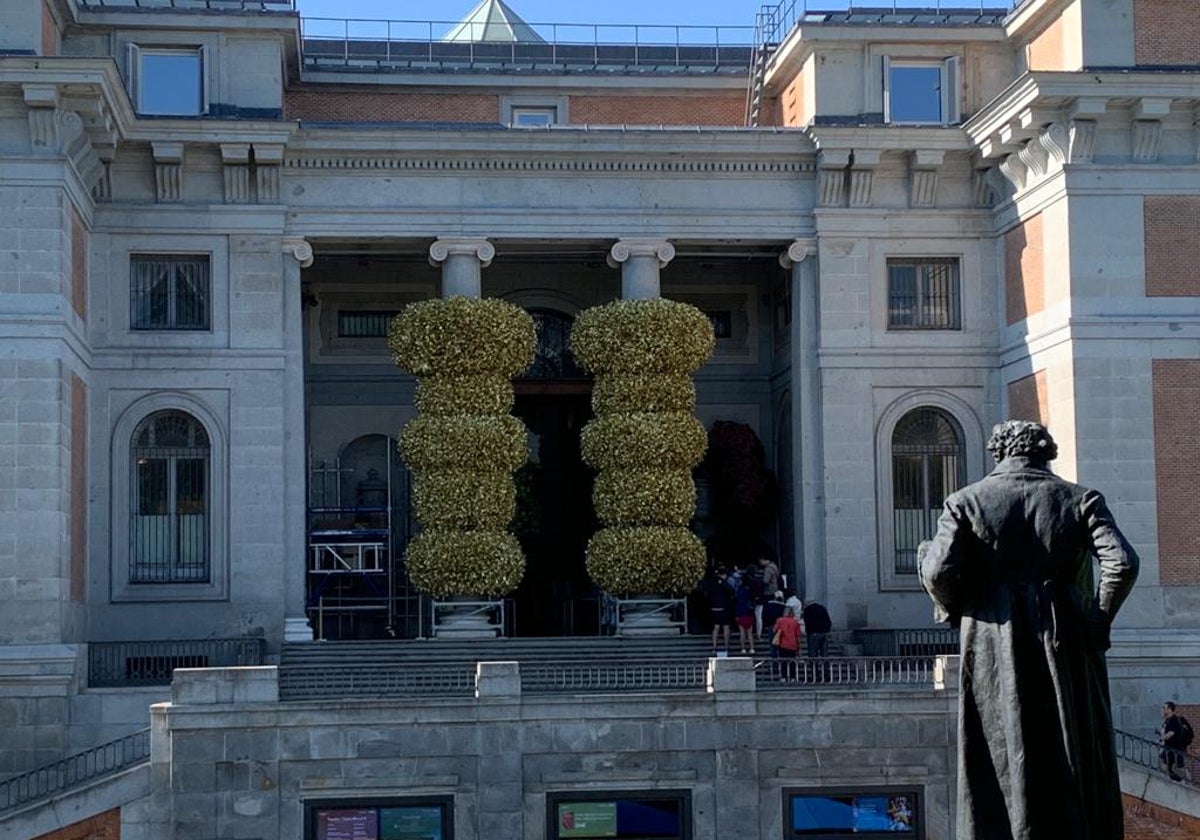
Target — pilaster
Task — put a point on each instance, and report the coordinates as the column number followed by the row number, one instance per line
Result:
column 297, row 254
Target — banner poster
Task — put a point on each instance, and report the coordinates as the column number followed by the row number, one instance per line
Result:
column 348, row 824
column 587, row 819
column 411, row 823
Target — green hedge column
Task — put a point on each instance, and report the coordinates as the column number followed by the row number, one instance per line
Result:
column 463, row 445
column 644, row 441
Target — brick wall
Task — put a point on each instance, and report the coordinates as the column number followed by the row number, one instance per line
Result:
column 1024, row 270
column 1027, row 399
column 791, row 103
column 1045, row 52
column 1176, row 386
column 1172, row 228
column 334, row 105
column 707, row 109
column 106, row 826
column 1166, row 32
column 1147, row 821
column 306, row 103
column 49, row 32
column 79, row 242
column 79, row 491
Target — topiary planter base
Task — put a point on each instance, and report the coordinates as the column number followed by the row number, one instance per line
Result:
column 648, row 615
column 467, row 619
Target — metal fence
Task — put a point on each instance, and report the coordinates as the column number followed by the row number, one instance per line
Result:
column 615, row 675
column 932, row 641
column 1148, row 754
column 776, row 20
column 312, row 682
column 386, row 44
column 254, row 6
column 75, row 770
column 128, row 664
column 865, row 671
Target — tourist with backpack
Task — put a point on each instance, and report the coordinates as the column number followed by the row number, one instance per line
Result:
column 1176, row 736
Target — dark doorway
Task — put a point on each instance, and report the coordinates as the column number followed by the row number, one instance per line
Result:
column 554, row 516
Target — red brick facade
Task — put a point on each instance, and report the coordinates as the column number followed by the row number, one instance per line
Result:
column 49, row 32
column 79, row 491
column 106, row 826
column 1172, row 228
column 1166, row 32
column 702, row 109
column 1176, row 385
column 334, row 105
column 1046, row 51
column 79, row 242
column 304, row 103
column 791, row 103
column 1147, row 821
column 1027, row 399
column 1024, row 270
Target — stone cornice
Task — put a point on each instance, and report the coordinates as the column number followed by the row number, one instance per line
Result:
column 344, row 162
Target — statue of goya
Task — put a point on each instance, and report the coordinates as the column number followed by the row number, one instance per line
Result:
column 1011, row 564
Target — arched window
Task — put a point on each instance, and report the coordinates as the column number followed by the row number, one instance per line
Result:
column 553, row 359
column 169, row 534
column 928, row 464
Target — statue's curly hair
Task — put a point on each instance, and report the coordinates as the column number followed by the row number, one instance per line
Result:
column 1022, row 438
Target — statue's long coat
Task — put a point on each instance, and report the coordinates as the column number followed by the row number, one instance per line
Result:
column 1012, row 562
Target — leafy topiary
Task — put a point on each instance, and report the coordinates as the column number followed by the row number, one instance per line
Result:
column 484, row 564
column 664, row 439
column 463, row 446
column 642, row 336
column 644, row 441
column 479, row 393
column 628, row 561
column 644, row 497
column 631, row 392
column 465, row 499
column 460, row 335
column 489, row 443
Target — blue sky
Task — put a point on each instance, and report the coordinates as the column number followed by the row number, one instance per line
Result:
column 671, row 12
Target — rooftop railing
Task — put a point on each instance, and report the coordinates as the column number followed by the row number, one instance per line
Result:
column 252, row 6
column 776, row 20
column 1150, row 755
column 408, row 44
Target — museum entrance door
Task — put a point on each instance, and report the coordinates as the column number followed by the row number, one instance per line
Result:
column 554, row 490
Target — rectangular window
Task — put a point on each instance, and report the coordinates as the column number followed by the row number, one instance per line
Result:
column 168, row 81
column 534, row 116
column 426, row 818
column 830, row 814
column 169, row 292
column 920, row 92
column 365, row 323
column 621, row 814
column 923, row 294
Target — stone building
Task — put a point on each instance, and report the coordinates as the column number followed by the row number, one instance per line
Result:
column 905, row 226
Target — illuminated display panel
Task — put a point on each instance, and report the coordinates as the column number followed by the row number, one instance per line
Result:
column 624, row 815
column 826, row 814
column 426, row 818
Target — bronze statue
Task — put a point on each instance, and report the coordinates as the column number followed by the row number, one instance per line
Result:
column 1011, row 565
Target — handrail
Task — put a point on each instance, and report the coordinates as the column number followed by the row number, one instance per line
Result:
column 253, row 6
column 1145, row 753
column 776, row 20
column 75, row 770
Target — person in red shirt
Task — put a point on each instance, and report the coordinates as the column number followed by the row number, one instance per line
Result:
column 785, row 643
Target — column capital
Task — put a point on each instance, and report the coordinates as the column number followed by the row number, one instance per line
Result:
column 299, row 248
column 797, row 252
column 446, row 246
column 660, row 249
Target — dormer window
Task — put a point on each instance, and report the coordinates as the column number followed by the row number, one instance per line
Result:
column 167, row 81
column 534, row 117
column 920, row 92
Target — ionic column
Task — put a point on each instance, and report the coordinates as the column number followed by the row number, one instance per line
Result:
column 462, row 262
column 640, row 261
column 297, row 254
column 809, row 490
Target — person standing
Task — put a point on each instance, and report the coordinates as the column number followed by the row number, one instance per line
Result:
column 768, row 577
column 719, row 595
column 785, row 643
column 1175, row 734
column 1011, row 564
column 817, row 626
column 743, row 610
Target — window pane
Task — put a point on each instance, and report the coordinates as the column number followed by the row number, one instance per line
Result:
column 916, row 94
column 902, row 295
column 152, row 486
column 169, row 292
column 928, row 464
column 191, row 295
column 534, row 116
column 170, row 83
column 924, row 294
